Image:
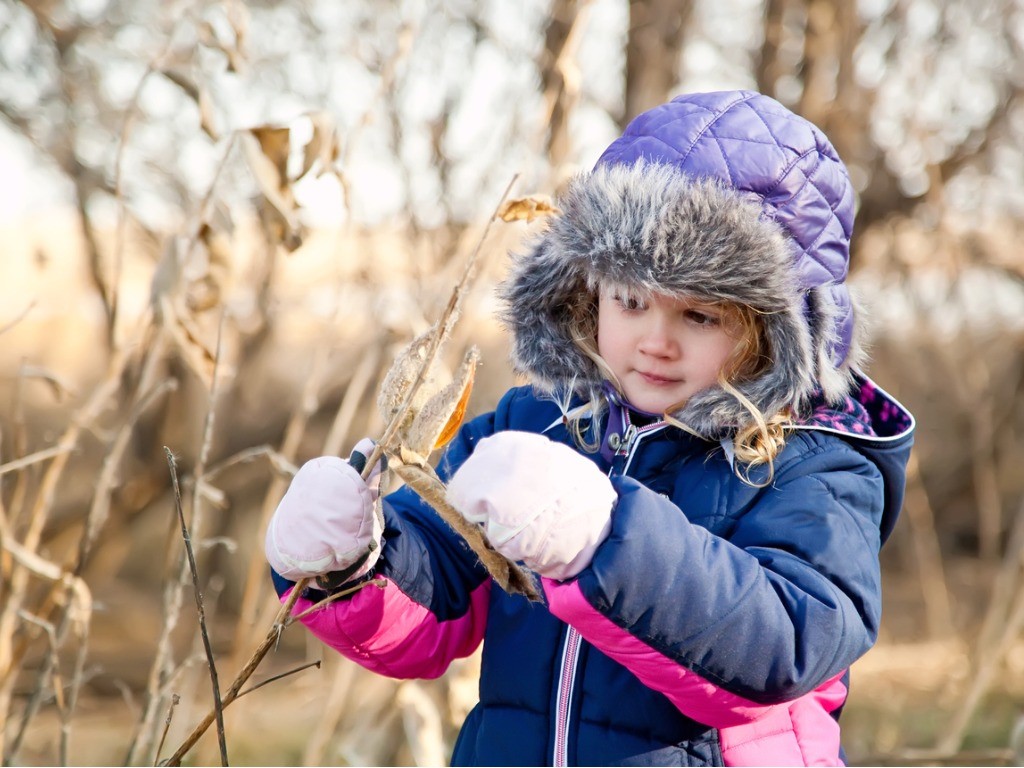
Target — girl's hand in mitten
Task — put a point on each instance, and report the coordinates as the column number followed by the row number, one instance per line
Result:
column 538, row 501
column 327, row 522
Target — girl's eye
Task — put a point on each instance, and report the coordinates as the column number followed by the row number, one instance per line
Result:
column 697, row 317
column 630, row 303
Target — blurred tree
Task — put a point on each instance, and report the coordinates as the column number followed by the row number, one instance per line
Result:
column 560, row 76
column 911, row 93
column 657, row 31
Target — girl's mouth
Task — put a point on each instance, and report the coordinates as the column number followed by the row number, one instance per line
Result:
column 657, row 381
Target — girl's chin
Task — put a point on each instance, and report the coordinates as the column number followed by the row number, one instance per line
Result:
column 652, row 403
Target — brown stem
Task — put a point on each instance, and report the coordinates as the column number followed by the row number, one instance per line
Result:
column 167, row 726
column 289, row 673
column 271, row 638
column 335, row 596
column 281, row 621
column 217, row 706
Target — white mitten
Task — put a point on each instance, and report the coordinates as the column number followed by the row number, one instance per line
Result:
column 538, row 501
column 327, row 522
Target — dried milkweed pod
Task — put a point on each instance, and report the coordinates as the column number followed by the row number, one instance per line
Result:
column 433, row 417
column 437, row 410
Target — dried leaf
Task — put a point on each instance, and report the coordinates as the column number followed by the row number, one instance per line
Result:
column 238, row 17
column 199, row 94
column 437, row 421
column 275, row 142
column 209, row 271
column 322, row 146
column 183, row 81
column 187, row 339
column 438, row 407
column 459, row 414
column 527, row 209
column 401, row 375
column 207, row 114
column 267, row 156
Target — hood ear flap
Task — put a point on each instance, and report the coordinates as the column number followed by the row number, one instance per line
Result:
column 536, row 298
column 824, row 317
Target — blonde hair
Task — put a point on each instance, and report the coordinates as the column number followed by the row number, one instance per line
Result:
column 755, row 444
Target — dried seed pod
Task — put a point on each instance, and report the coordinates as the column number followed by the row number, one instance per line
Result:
column 436, row 423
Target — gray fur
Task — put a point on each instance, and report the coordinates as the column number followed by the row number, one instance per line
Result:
column 651, row 228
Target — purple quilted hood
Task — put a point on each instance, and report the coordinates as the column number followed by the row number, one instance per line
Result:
column 726, row 195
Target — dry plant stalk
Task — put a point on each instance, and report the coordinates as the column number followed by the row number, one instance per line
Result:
column 210, row 661
column 175, row 699
column 281, row 621
column 1001, row 626
column 399, row 416
column 424, row 416
column 173, row 595
column 10, row 657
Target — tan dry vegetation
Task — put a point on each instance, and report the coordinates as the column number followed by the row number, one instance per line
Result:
column 341, row 304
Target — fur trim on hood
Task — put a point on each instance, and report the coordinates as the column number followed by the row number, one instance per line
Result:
column 651, row 225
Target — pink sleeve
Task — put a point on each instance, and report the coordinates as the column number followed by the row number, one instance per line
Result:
column 800, row 732
column 694, row 696
column 385, row 631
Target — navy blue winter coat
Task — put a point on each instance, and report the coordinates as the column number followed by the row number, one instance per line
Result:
column 714, row 626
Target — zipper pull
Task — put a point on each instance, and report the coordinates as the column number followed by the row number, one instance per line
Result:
column 627, row 439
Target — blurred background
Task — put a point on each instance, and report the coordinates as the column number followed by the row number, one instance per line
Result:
column 219, row 221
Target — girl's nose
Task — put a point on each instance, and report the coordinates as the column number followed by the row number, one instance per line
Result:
column 657, row 338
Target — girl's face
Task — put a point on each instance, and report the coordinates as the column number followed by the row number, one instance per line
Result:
column 663, row 349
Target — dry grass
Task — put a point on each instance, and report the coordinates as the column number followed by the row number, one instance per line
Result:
column 98, row 634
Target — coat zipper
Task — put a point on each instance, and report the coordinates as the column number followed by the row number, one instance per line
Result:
column 573, row 640
column 566, row 683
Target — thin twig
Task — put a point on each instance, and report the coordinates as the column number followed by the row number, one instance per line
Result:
column 289, row 673
column 335, row 596
column 269, row 640
column 175, row 698
column 80, row 605
column 158, row 694
column 217, row 705
column 277, row 461
column 33, row 458
column 54, row 679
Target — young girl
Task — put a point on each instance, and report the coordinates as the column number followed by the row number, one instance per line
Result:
column 699, row 474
